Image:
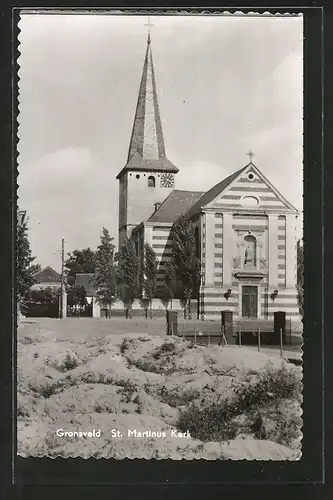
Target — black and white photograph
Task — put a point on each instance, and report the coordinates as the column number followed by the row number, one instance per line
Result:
column 160, row 235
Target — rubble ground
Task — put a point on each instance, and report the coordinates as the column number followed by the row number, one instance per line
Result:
column 225, row 402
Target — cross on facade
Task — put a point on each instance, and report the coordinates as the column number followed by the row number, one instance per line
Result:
column 251, row 155
column 150, row 25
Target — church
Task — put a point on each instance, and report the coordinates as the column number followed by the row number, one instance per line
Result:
column 246, row 228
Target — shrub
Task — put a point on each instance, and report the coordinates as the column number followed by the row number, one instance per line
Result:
column 165, row 349
column 127, row 389
column 48, row 391
column 214, row 421
column 124, row 346
column 98, row 408
column 162, row 359
column 271, row 385
column 286, row 420
column 175, row 399
column 70, row 363
column 130, row 342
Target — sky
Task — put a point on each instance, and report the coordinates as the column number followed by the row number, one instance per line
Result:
column 225, row 84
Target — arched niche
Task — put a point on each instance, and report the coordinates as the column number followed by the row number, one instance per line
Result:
column 250, row 253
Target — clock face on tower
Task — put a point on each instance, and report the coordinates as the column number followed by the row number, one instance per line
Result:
column 167, row 180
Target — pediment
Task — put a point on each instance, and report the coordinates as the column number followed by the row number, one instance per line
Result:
column 251, row 191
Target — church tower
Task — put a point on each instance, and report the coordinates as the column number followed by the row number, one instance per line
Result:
column 148, row 176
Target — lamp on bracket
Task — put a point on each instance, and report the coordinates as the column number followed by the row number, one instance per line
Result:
column 227, row 294
column 274, row 294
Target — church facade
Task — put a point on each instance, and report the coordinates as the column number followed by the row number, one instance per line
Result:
column 246, row 229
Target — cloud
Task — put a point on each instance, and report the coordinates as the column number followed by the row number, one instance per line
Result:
column 224, row 84
column 193, row 177
column 64, row 195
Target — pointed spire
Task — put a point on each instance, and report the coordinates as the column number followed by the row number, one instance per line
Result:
column 147, row 136
column 147, row 149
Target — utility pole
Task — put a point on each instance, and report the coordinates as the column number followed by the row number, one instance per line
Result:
column 62, row 278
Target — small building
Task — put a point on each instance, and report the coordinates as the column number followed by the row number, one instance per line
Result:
column 46, row 278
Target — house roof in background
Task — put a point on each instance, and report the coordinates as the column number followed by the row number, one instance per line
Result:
column 86, row 280
column 176, row 204
column 47, row 275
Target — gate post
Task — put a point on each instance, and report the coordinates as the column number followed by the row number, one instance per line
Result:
column 227, row 325
column 171, row 323
column 64, row 304
column 280, row 324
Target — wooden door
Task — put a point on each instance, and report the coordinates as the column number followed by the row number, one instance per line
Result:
column 250, row 301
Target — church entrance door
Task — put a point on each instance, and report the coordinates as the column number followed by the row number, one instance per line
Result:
column 250, row 301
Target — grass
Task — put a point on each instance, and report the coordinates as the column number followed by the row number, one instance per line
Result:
column 217, row 420
column 127, row 390
column 70, row 363
column 263, row 405
column 173, row 399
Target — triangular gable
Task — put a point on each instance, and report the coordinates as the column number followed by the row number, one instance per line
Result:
column 252, row 185
column 48, row 274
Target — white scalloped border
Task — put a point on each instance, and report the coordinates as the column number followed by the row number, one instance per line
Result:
column 141, row 12
column 160, row 12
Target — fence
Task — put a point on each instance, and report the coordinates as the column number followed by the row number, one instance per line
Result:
column 34, row 310
column 80, row 311
column 236, row 332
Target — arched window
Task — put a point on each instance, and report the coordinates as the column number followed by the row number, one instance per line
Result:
column 250, row 257
column 151, row 181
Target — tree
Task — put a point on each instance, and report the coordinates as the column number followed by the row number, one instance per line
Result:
column 149, row 274
column 185, row 260
column 127, row 273
column 300, row 278
column 24, row 274
column 79, row 261
column 35, row 268
column 170, row 281
column 76, row 295
column 105, row 270
column 45, row 295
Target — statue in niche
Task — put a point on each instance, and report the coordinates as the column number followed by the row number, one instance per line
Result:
column 250, row 256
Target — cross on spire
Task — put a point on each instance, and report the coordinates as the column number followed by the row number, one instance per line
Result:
column 150, row 25
column 250, row 155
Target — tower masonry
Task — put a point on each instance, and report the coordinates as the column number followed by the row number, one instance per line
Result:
column 148, row 176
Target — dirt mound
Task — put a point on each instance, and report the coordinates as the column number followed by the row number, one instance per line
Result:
column 151, row 385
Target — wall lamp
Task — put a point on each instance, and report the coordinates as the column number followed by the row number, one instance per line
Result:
column 274, row 294
column 227, row 294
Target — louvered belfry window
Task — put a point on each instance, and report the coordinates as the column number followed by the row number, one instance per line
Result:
column 151, row 181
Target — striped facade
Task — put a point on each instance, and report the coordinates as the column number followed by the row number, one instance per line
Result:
column 245, row 209
column 271, row 222
column 281, row 251
column 162, row 245
column 255, row 188
column 222, row 230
